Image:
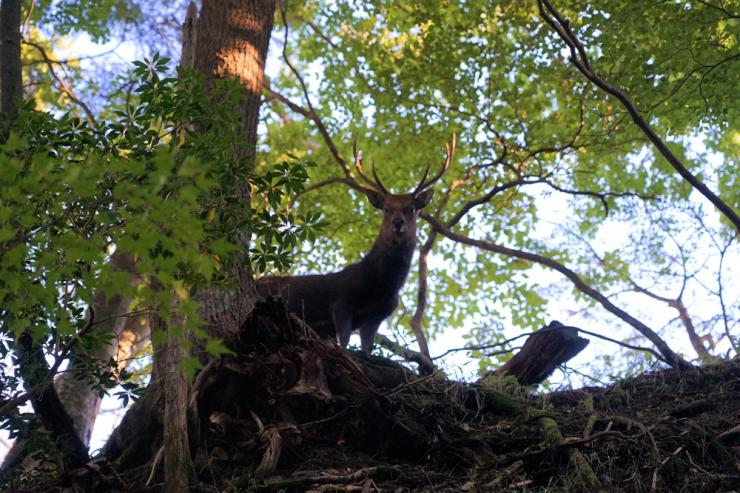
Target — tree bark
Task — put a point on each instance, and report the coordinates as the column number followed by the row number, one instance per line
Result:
column 167, row 369
column 417, row 321
column 231, row 40
column 128, row 334
column 47, row 405
column 11, row 82
column 178, row 466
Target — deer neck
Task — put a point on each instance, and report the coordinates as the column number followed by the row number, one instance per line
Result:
column 390, row 264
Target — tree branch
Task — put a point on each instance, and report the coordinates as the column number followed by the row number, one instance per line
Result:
column 580, row 59
column 426, row 366
column 733, row 341
column 719, row 8
column 667, row 354
column 311, row 112
column 421, row 295
column 62, row 85
column 675, row 302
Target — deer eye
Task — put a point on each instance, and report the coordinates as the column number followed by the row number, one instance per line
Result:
column 386, row 210
column 408, row 210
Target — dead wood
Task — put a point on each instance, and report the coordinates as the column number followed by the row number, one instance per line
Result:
column 542, row 353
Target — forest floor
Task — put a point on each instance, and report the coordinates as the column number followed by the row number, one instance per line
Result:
column 673, row 431
column 292, row 412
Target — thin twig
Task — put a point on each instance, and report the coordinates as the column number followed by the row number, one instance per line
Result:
column 311, row 113
column 28, row 16
column 63, row 86
column 550, row 329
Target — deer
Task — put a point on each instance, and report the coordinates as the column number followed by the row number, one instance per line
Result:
column 362, row 295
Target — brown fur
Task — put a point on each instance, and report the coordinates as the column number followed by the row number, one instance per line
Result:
column 362, row 295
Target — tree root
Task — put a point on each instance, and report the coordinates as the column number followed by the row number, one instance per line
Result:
column 505, row 475
column 271, row 457
column 288, row 401
column 552, row 436
column 315, row 478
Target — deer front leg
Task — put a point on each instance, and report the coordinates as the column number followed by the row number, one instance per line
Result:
column 342, row 314
column 367, row 336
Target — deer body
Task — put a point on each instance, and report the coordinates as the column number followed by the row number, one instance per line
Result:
column 363, row 294
column 359, row 297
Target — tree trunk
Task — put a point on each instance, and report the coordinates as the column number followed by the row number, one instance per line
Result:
column 231, row 41
column 11, row 82
column 543, row 351
column 231, row 38
column 128, row 335
column 178, row 466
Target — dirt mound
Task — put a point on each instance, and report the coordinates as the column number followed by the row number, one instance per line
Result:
column 293, row 412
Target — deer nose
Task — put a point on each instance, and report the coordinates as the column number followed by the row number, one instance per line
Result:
column 399, row 225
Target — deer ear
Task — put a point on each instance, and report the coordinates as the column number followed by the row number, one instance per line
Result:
column 377, row 199
column 422, row 199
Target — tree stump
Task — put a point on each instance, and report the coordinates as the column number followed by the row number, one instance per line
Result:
column 542, row 353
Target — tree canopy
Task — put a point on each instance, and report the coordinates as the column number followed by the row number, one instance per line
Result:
column 532, row 131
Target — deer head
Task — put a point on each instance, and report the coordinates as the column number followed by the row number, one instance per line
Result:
column 398, row 229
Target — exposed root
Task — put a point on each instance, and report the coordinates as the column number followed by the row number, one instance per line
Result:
column 505, row 475
column 329, row 478
column 583, row 472
column 155, row 464
column 271, row 457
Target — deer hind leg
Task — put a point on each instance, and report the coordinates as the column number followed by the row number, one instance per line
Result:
column 367, row 336
column 342, row 315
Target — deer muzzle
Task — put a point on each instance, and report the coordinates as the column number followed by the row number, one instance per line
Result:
column 399, row 226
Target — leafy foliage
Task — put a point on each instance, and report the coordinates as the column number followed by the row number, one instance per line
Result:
column 149, row 183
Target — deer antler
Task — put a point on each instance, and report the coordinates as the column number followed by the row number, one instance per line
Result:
column 374, row 184
column 449, row 151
